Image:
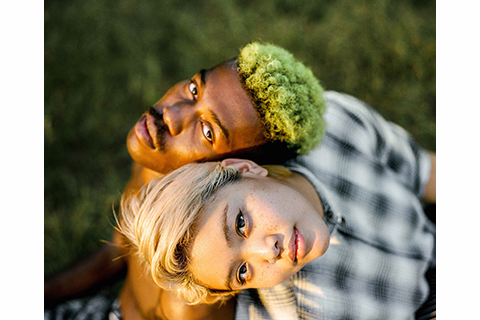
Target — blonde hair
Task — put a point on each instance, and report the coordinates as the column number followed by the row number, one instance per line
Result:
column 160, row 221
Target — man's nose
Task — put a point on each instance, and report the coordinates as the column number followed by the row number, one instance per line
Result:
column 178, row 117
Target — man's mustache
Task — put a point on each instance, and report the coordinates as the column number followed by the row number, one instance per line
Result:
column 162, row 128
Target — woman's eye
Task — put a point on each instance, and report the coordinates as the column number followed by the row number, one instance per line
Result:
column 240, row 224
column 207, row 132
column 193, row 90
column 242, row 274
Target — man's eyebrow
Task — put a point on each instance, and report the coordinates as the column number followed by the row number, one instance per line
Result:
column 203, row 76
column 226, row 233
column 217, row 121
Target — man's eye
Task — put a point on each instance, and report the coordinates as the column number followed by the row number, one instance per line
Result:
column 192, row 87
column 207, row 132
column 240, row 224
column 242, row 274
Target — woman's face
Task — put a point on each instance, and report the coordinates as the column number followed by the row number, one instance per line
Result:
column 255, row 234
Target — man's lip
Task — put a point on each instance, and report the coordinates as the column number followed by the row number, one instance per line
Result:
column 142, row 133
column 296, row 246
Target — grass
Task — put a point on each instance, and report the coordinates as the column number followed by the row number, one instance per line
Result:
column 108, row 61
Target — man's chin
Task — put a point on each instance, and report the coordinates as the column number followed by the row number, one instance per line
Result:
column 142, row 155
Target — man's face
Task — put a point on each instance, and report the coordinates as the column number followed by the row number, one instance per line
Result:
column 205, row 118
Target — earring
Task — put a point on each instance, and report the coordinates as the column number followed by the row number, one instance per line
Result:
column 273, row 261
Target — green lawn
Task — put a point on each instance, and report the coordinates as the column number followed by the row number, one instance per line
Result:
column 108, row 61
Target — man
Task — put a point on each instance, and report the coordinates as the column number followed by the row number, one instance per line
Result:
column 265, row 105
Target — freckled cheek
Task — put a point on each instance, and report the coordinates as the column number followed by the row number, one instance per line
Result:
column 270, row 276
column 269, row 223
column 268, row 217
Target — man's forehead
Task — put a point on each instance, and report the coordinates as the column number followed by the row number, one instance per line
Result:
column 232, row 106
column 227, row 65
column 203, row 76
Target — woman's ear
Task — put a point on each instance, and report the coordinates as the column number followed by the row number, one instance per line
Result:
column 245, row 166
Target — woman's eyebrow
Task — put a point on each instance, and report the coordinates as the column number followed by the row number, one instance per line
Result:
column 226, row 228
column 228, row 282
column 226, row 233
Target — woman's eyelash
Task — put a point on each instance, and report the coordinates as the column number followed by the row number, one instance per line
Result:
column 242, row 274
column 240, row 227
column 240, row 224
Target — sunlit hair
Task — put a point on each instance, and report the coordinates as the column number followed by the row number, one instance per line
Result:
column 160, row 221
column 285, row 92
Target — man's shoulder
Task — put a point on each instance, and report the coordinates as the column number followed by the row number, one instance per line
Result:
column 352, row 131
column 349, row 119
column 344, row 104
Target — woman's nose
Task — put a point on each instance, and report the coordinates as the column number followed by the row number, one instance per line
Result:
column 266, row 249
column 177, row 117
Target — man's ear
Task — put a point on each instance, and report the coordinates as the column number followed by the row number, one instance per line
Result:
column 245, row 166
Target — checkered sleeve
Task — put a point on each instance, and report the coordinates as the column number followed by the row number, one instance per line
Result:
column 385, row 142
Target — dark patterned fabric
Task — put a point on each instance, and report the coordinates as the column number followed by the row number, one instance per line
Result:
column 370, row 176
column 429, row 309
column 99, row 307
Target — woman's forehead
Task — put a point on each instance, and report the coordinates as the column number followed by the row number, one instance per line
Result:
column 211, row 254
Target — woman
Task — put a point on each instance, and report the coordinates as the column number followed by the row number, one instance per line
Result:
column 213, row 229
column 264, row 229
column 210, row 230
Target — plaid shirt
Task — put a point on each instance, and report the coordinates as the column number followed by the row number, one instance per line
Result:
column 370, row 176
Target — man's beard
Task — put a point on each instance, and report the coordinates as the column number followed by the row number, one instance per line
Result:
column 162, row 129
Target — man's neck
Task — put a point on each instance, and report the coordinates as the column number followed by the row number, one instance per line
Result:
column 148, row 175
column 139, row 177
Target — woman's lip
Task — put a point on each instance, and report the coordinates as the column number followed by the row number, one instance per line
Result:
column 142, row 133
column 296, row 246
column 301, row 248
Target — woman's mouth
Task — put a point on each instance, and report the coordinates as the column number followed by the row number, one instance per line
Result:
column 296, row 246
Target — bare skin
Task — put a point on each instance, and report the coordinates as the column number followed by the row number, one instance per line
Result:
column 431, row 188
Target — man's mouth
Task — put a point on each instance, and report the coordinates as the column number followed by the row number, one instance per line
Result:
column 151, row 130
column 142, row 133
column 159, row 127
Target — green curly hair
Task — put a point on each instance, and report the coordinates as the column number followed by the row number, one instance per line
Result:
column 285, row 92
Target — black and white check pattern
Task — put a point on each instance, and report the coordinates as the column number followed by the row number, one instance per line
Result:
column 370, row 176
